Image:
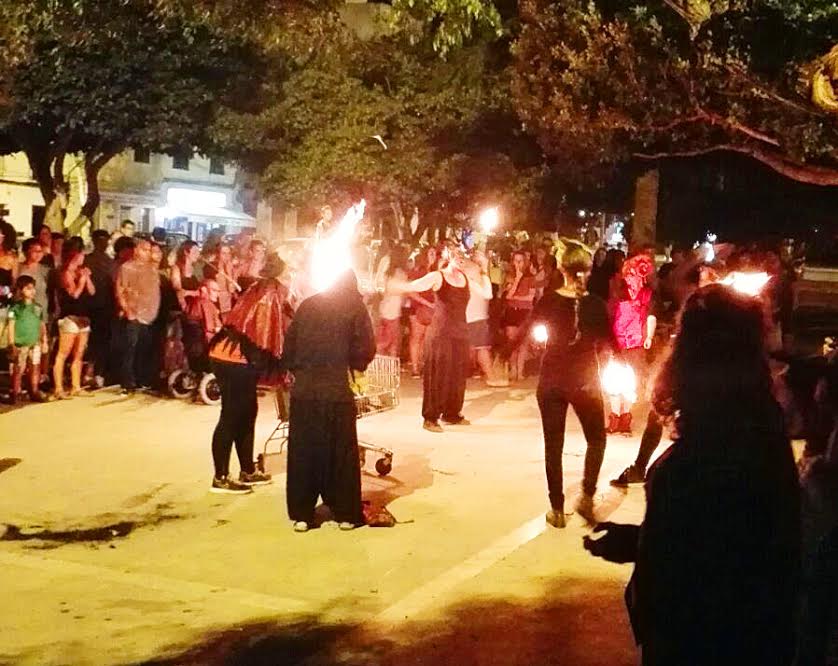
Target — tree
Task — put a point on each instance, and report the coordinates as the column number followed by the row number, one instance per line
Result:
column 94, row 77
column 392, row 121
column 603, row 82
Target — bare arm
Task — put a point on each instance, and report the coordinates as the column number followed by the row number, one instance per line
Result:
column 431, row 281
column 651, row 326
column 481, row 286
column 71, row 285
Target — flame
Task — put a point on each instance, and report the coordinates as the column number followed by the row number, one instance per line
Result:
column 750, row 284
column 539, row 334
column 331, row 255
column 489, row 219
column 618, row 379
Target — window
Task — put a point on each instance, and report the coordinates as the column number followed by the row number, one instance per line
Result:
column 142, row 155
column 216, row 166
column 181, row 161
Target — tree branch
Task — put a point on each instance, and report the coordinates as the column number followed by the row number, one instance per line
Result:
column 802, row 173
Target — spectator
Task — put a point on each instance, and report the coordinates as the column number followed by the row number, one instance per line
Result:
column 421, row 311
column 519, row 295
column 138, row 299
column 717, row 556
column 8, row 261
column 45, row 238
column 27, row 339
column 75, row 287
column 184, row 280
column 123, row 250
column 102, row 305
column 477, row 317
column 57, row 249
column 126, row 230
column 220, row 267
column 33, row 253
column 251, row 268
column 389, row 334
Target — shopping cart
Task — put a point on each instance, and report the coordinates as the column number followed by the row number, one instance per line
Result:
column 376, row 391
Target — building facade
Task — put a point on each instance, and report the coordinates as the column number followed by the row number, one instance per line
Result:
column 192, row 195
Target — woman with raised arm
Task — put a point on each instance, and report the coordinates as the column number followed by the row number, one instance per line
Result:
column 186, row 284
column 446, row 343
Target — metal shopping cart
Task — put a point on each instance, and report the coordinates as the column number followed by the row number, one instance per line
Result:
column 376, row 391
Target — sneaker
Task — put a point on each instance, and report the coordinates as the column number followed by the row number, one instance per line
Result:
column 497, row 383
column 99, row 381
column 228, row 486
column 432, row 426
column 255, row 478
column 346, row 527
column 458, row 421
column 12, row 399
column 127, row 392
column 630, row 476
column 555, row 517
column 585, row 508
column 301, row 526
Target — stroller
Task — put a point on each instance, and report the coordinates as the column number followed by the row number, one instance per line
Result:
column 194, row 381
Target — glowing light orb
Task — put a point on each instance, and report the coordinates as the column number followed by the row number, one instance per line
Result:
column 750, row 284
column 539, row 334
column 489, row 219
column 331, row 256
column 619, row 379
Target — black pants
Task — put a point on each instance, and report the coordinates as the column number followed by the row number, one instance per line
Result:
column 587, row 404
column 323, row 460
column 99, row 348
column 652, row 436
column 444, row 378
column 237, row 420
column 135, row 345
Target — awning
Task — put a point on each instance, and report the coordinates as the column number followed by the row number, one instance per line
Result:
column 211, row 215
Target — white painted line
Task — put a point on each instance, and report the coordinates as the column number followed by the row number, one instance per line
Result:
column 174, row 586
column 427, row 594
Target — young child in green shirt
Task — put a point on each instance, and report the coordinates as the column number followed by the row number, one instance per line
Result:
column 27, row 338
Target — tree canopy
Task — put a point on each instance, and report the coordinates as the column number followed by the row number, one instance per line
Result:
column 94, row 77
column 602, row 82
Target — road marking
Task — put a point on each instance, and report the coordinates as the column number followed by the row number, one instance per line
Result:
column 427, row 594
column 174, row 586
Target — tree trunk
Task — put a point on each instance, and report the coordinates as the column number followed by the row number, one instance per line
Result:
column 92, row 167
column 644, row 226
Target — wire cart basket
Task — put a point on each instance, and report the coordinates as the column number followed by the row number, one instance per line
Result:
column 376, row 390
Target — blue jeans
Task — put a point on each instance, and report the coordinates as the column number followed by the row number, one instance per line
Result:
column 136, row 357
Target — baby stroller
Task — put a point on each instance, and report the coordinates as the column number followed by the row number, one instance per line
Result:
column 195, row 381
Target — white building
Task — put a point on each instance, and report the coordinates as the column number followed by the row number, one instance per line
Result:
column 192, row 196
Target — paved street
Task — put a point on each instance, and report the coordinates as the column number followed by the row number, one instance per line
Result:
column 114, row 551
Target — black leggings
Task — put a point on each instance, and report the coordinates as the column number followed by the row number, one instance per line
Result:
column 652, row 435
column 238, row 416
column 591, row 413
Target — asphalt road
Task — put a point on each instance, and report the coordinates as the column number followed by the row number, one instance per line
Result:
column 114, row 552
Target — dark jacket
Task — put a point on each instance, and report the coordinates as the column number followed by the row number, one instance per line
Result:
column 331, row 334
column 718, row 556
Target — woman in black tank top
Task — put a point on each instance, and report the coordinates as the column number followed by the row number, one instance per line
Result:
column 75, row 286
column 446, row 344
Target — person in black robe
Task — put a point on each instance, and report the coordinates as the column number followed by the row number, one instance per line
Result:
column 330, row 336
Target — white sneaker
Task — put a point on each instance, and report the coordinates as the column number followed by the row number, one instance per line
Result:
column 346, row 527
column 301, row 526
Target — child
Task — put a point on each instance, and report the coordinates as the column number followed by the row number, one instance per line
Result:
column 204, row 309
column 27, row 337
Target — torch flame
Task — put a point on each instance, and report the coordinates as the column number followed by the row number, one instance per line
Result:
column 539, row 334
column 331, row 255
column 618, row 379
column 489, row 219
column 750, row 284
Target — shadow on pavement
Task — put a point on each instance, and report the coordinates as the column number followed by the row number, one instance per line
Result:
column 576, row 622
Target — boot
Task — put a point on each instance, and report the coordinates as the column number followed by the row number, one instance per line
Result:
column 624, row 424
column 613, row 424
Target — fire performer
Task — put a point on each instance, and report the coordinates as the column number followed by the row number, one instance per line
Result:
column 576, row 325
column 634, row 328
column 330, row 337
column 248, row 346
column 447, row 342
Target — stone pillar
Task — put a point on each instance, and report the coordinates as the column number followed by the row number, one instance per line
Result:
column 644, row 227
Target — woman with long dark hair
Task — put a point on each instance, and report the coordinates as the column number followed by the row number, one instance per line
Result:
column 184, row 280
column 447, row 343
column 577, row 325
column 717, row 556
column 75, row 286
